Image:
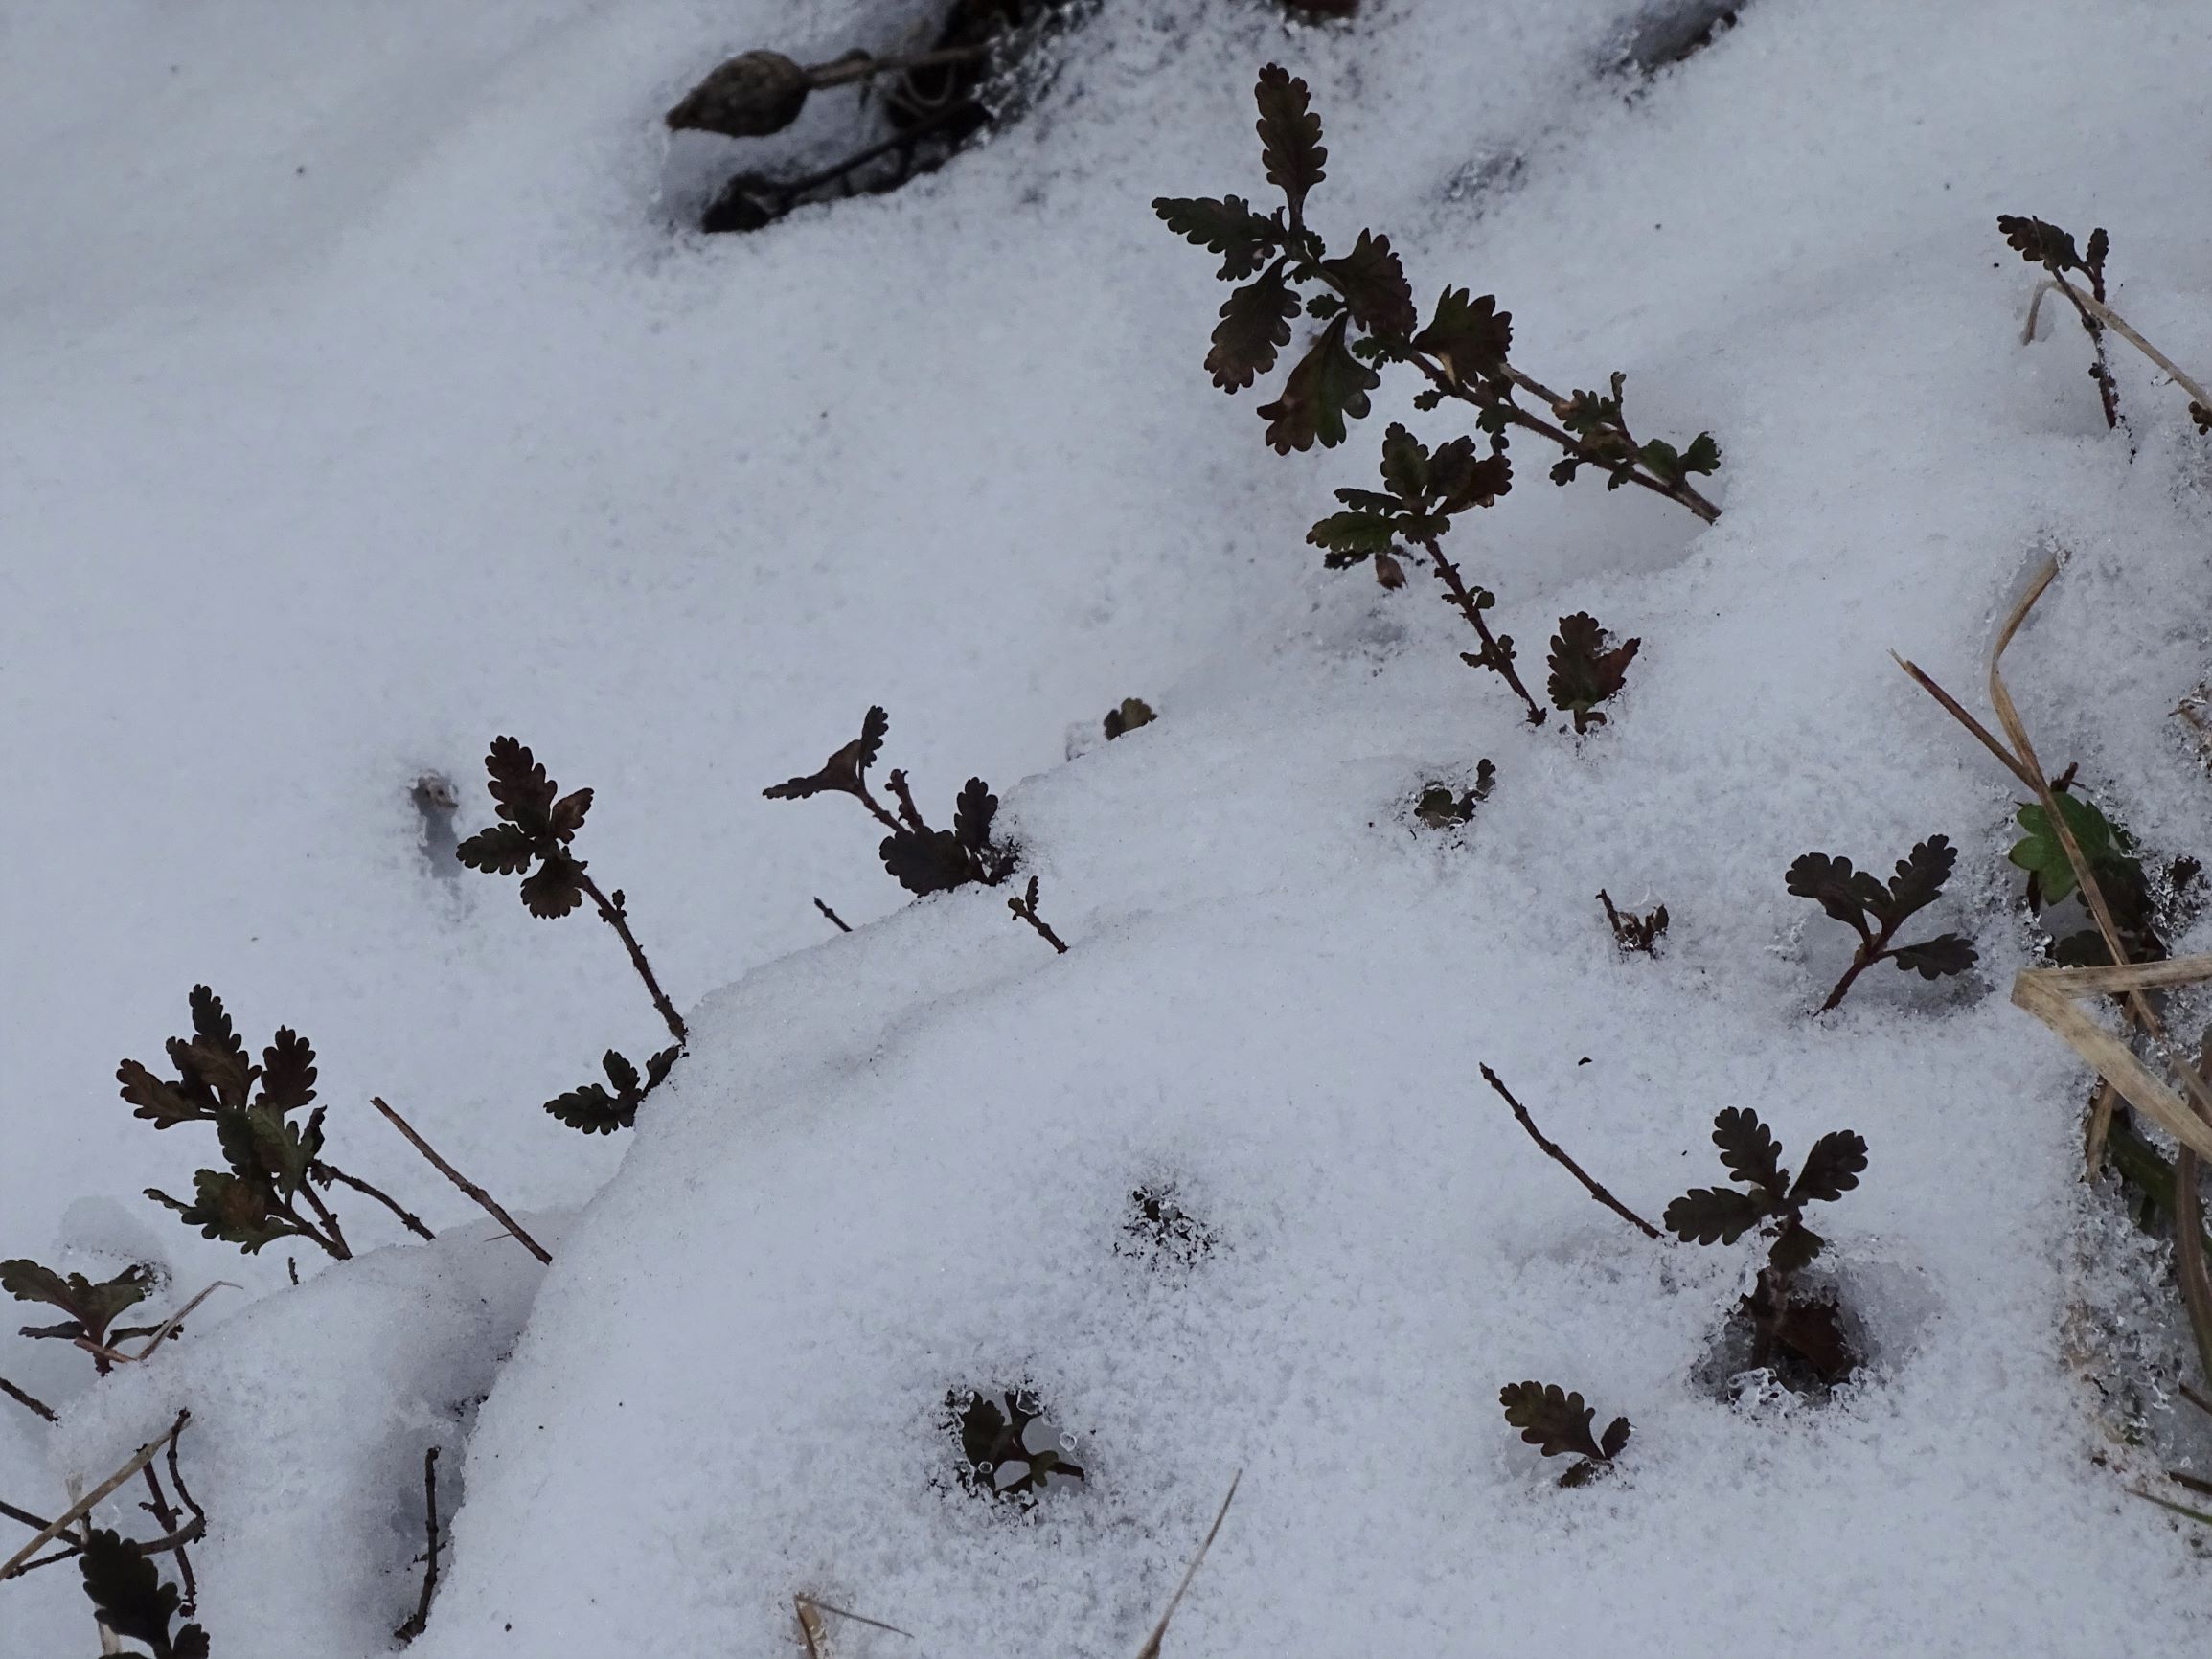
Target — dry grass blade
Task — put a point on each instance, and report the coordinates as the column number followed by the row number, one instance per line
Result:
column 2049, row 992
column 175, row 1321
column 2119, row 326
column 810, row 1630
column 816, row 1635
column 2170, row 1503
column 2053, row 995
column 1151, row 1647
column 2189, row 1263
column 1981, row 733
column 92, row 1500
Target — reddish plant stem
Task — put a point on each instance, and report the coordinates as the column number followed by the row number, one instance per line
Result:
column 413, row 1224
column 1492, row 655
column 612, row 914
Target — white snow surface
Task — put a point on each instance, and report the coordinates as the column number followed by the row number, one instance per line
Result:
column 369, row 397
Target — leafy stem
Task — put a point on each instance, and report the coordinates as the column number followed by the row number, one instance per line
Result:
column 1496, row 655
column 1876, row 911
column 615, row 913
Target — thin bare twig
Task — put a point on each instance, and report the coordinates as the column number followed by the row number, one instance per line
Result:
column 329, row 1172
column 161, row 1511
column 1553, row 1149
column 92, row 1500
column 29, row 1402
column 23, row 1517
column 485, row 1200
column 418, row 1621
column 1151, row 1647
column 836, row 920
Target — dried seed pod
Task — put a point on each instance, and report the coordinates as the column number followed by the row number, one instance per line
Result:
column 751, row 96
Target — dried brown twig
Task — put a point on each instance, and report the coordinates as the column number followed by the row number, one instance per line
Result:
column 29, row 1402
column 92, row 1500
column 484, row 1199
column 1553, row 1150
column 418, row 1621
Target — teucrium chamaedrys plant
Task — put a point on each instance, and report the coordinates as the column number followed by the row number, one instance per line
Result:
column 1876, row 911
column 921, row 859
column 273, row 1162
column 533, row 839
column 1367, row 317
column 1771, row 1202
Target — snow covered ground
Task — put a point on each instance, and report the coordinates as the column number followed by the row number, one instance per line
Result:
column 367, row 399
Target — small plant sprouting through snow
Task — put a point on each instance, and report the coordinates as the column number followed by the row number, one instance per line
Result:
column 1875, row 912
column 2047, row 245
column 1133, row 712
column 1009, row 1449
column 1635, row 934
column 1367, row 317
column 133, row 1599
column 92, row 1309
column 538, row 825
column 922, row 860
column 1803, row 1329
column 600, row 1109
column 2143, row 909
column 274, row 1163
column 1442, row 807
column 1024, row 909
column 1586, row 668
column 536, row 828
column 1160, row 1230
column 1558, row 1425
